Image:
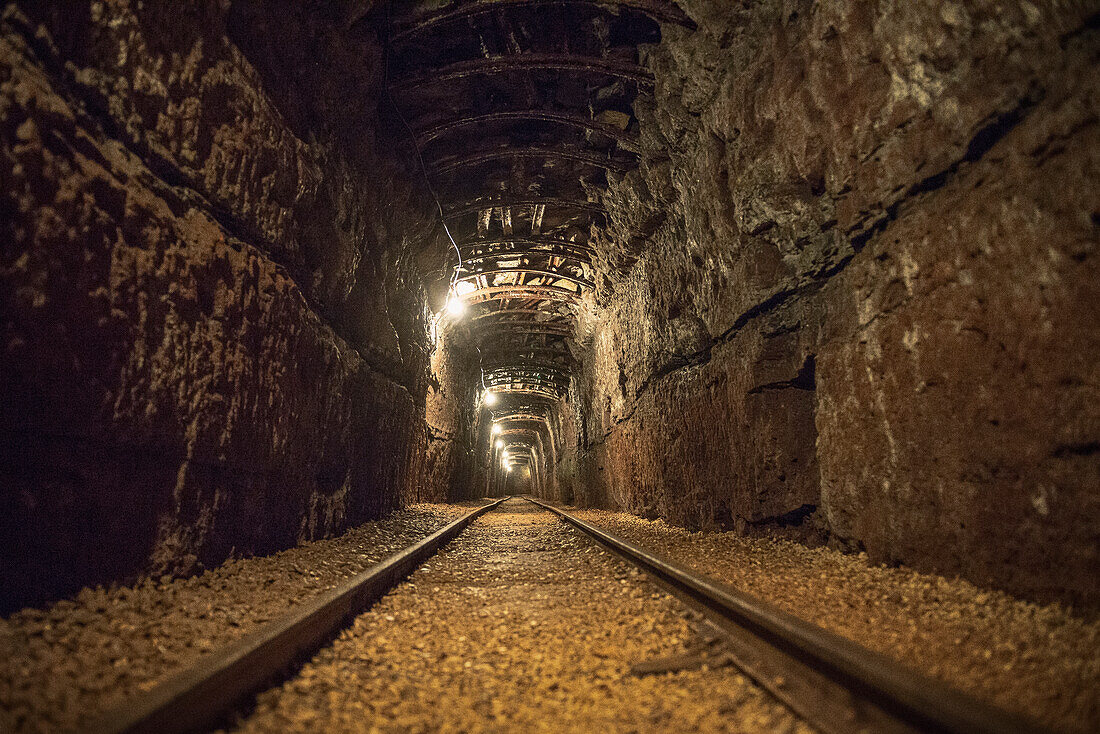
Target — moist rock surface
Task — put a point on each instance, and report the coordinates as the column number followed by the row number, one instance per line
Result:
column 851, row 293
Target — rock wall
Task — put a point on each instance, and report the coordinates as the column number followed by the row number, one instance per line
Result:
column 453, row 427
column 853, row 294
column 214, row 329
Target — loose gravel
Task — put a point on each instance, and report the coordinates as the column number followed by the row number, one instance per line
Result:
column 519, row 624
column 1039, row 660
column 62, row 665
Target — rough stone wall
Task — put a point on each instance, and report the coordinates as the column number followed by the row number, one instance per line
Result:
column 853, row 292
column 560, row 469
column 452, row 426
column 213, row 330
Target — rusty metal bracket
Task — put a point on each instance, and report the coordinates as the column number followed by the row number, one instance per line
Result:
column 471, row 207
column 566, row 119
column 526, row 62
column 450, row 164
column 659, row 10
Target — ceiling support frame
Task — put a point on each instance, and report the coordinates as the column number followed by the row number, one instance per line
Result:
column 567, row 119
column 662, row 11
column 445, row 166
column 526, row 62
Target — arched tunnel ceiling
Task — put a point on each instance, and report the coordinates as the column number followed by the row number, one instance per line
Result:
column 520, row 109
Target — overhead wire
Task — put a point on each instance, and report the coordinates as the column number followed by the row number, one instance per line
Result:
column 424, row 172
column 415, row 144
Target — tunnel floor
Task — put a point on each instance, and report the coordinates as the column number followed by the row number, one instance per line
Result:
column 523, row 623
column 520, row 624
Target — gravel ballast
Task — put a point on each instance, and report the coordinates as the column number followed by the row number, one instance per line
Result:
column 1039, row 660
column 64, row 664
column 519, row 624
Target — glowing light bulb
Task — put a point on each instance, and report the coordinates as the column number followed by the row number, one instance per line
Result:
column 463, row 287
column 496, row 428
column 509, row 470
column 455, row 306
column 490, row 398
column 500, row 444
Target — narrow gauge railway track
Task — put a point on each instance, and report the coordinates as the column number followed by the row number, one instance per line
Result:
column 833, row 684
column 200, row 696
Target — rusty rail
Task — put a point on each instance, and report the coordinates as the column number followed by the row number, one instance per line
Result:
column 199, row 696
column 835, row 684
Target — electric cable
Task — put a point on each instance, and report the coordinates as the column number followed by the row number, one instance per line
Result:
column 416, row 146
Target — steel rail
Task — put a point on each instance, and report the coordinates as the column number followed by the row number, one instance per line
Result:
column 519, row 345
column 471, row 207
column 524, row 270
column 500, row 361
column 445, row 166
column 519, row 432
column 199, row 696
column 523, row 312
column 566, row 119
column 548, row 393
column 840, row 686
column 531, row 391
column 659, row 10
column 529, row 328
column 539, row 328
column 569, row 260
column 536, row 388
column 522, row 244
column 521, row 292
column 528, row 373
column 491, row 65
column 519, row 417
column 520, row 353
column 561, row 370
column 531, row 381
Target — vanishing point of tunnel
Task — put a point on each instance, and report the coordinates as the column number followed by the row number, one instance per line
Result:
column 800, row 298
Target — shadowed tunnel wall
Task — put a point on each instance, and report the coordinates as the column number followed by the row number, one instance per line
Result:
column 214, row 324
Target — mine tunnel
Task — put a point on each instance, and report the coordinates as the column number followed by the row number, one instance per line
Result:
column 550, row 365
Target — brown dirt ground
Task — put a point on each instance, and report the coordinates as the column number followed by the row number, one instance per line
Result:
column 520, row 624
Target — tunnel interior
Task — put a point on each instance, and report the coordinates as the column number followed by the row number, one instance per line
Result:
column 786, row 270
column 813, row 272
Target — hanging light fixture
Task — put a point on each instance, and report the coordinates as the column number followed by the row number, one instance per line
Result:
column 455, row 305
